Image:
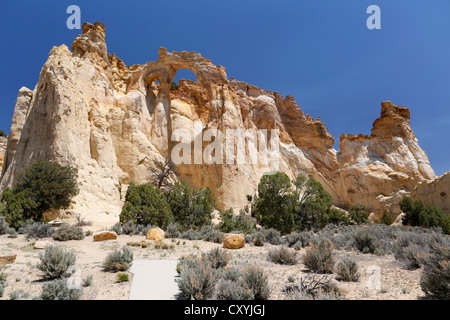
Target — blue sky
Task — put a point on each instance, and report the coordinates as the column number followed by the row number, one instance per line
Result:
column 319, row 51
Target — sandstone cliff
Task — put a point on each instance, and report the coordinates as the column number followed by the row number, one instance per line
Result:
column 3, row 142
column 436, row 192
column 113, row 121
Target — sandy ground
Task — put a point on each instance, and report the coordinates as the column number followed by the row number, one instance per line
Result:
column 396, row 282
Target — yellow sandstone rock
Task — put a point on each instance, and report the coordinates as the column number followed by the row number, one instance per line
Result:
column 155, row 234
column 233, row 241
column 105, row 235
column 7, row 259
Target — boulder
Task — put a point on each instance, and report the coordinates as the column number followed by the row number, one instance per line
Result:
column 7, row 259
column 155, row 234
column 104, row 235
column 233, row 241
column 41, row 244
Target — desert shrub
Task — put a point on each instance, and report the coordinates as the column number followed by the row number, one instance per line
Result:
column 87, row 282
column 123, row 277
column 197, row 279
column 319, row 257
column 358, row 213
column 313, row 287
column 365, row 241
column 42, row 187
column 255, row 280
column 283, row 256
column 81, row 222
column 435, row 278
column 119, row 260
column 67, row 232
column 173, row 231
column 258, row 239
column 417, row 214
column 2, row 290
column 410, row 247
column 272, row 236
column 18, row 295
column 146, row 205
column 386, row 218
column 117, row 228
column 218, row 258
column 347, row 270
column 2, row 133
column 191, row 235
column 55, row 262
column 174, row 86
column 36, row 230
column 130, row 228
column 231, row 222
column 208, row 233
column 59, row 290
column 300, row 239
column 233, row 290
column 191, row 208
column 231, row 274
column 5, row 228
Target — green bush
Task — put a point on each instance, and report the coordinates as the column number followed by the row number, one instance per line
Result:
column 67, row 232
column 2, row 133
column 146, row 205
column 231, row 222
column 191, row 209
column 119, row 260
column 347, row 270
column 174, row 86
column 446, row 225
column 275, row 202
column 59, row 290
column 42, row 187
column 283, row 256
column 123, row 277
column 418, row 215
column 386, row 218
column 319, row 257
column 435, row 278
column 285, row 206
column 55, row 262
column 336, row 216
column 358, row 213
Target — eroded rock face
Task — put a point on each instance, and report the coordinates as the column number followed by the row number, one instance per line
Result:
column 114, row 122
column 3, row 142
column 436, row 192
column 378, row 170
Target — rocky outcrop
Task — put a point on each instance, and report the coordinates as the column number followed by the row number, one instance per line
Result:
column 378, row 170
column 3, row 142
column 436, row 192
column 115, row 122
